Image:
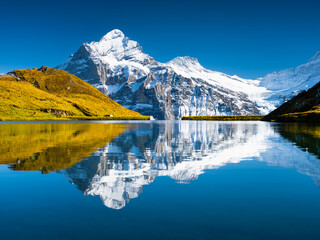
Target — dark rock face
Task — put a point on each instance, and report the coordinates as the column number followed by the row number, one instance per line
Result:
column 82, row 64
column 176, row 96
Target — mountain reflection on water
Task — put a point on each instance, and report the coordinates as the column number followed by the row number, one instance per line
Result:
column 127, row 156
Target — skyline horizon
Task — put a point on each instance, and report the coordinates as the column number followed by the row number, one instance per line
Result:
column 245, row 38
column 235, row 74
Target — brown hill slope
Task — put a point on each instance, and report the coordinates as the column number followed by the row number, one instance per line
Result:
column 50, row 94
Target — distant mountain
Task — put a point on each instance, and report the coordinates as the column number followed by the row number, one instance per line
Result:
column 288, row 83
column 303, row 107
column 118, row 67
column 47, row 93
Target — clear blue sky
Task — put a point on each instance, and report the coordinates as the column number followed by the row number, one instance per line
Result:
column 247, row 38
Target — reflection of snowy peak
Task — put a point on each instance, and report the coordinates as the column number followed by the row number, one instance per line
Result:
column 118, row 67
column 182, row 151
column 118, row 185
column 198, row 147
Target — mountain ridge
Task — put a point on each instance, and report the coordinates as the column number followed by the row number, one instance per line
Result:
column 118, row 67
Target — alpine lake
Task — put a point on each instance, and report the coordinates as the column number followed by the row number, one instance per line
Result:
column 159, row 180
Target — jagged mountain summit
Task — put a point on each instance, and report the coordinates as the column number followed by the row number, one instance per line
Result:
column 114, row 56
column 118, row 67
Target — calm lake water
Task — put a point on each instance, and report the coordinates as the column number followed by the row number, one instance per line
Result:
column 159, row 180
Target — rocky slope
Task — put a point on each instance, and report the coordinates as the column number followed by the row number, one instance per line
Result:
column 46, row 93
column 118, row 67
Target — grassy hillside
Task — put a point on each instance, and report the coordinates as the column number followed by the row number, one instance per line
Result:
column 52, row 94
column 226, row 118
column 302, row 108
column 307, row 116
column 53, row 146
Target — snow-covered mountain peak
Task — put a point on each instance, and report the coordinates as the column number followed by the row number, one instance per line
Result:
column 115, row 48
column 116, row 33
column 315, row 57
column 115, row 45
column 184, row 62
column 186, row 66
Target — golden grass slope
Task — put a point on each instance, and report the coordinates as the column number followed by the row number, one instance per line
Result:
column 53, row 146
column 307, row 116
column 51, row 94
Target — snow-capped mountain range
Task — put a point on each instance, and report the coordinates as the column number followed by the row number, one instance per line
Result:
column 288, row 83
column 118, row 67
